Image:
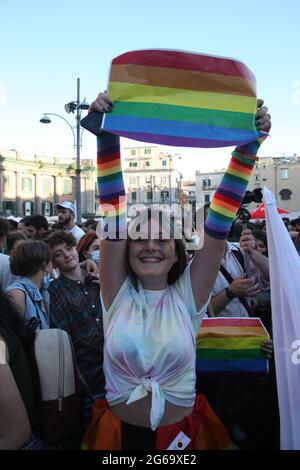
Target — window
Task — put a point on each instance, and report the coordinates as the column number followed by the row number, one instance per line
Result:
column 284, row 174
column 164, row 163
column 206, row 198
column 133, row 164
column 132, row 152
column 164, row 180
column 149, row 196
column 164, row 196
column 47, row 209
column 147, row 151
column 26, row 184
column 67, row 186
column 9, row 208
column 285, row 194
column 133, row 196
column 256, row 177
column 133, row 180
column 8, row 183
column 46, row 185
column 206, row 183
column 148, row 163
column 28, row 208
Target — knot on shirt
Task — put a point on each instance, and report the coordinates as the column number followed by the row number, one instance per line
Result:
column 141, row 390
column 147, row 384
column 158, row 399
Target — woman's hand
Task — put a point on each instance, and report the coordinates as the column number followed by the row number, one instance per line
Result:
column 267, row 348
column 102, row 104
column 262, row 119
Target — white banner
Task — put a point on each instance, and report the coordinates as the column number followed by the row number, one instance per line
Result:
column 285, row 296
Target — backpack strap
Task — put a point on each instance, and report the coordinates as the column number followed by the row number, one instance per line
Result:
column 239, row 256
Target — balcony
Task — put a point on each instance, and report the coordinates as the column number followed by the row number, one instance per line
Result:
column 210, row 187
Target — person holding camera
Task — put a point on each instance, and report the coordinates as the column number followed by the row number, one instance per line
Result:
column 233, row 286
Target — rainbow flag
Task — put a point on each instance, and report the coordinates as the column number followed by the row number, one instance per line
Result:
column 180, row 98
column 231, row 346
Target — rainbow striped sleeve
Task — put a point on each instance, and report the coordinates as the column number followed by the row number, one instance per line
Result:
column 229, row 195
column 231, row 346
column 112, row 195
column 181, row 98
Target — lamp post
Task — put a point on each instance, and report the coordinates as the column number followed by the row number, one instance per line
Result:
column 150, row 185
column 170, row 178
column 179, row 184
column 70, row 108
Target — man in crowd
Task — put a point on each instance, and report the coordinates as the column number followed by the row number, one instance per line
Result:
column 66, row 217
column 232, row 289
column 75, row 307
column 238, row 281
column 35, row 226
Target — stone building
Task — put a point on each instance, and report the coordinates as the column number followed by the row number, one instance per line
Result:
column 152, row 176
column 280, row 174
column 32, row 184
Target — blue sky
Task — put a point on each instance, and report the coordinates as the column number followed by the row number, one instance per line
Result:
column 45, row 46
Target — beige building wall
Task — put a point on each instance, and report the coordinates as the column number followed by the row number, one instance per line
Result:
column 189, row 189
column 280, row 175
column 32, row 184
column 152, row 175
column 206, row 185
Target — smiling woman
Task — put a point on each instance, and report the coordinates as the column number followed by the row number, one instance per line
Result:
column 155, row 250
column 153, row 303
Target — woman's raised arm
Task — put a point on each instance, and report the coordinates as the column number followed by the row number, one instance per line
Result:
column 112, row 198
column 224, row 205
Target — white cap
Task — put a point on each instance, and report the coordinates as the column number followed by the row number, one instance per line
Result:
column 67, row 205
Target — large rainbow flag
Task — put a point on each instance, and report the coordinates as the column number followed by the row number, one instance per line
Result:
column 231, row 346
column 181, row 98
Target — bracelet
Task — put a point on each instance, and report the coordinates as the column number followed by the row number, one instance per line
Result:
column 230, row 295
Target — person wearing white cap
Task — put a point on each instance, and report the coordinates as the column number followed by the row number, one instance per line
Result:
column 66, row 217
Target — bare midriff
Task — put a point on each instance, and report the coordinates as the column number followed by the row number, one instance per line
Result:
column 138, row 412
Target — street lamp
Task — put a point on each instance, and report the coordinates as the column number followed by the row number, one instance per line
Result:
column 170, row 178
column 71, row 108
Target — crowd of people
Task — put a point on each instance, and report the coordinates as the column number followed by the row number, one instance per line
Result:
column 133, row 305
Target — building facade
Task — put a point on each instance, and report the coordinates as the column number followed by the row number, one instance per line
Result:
column 32, row 184
column 281, row 175
column 189, row 189
column 152, row 176
column 206, row 185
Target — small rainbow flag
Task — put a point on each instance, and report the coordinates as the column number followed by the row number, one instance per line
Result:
column 231, row 346
column 181, row 98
